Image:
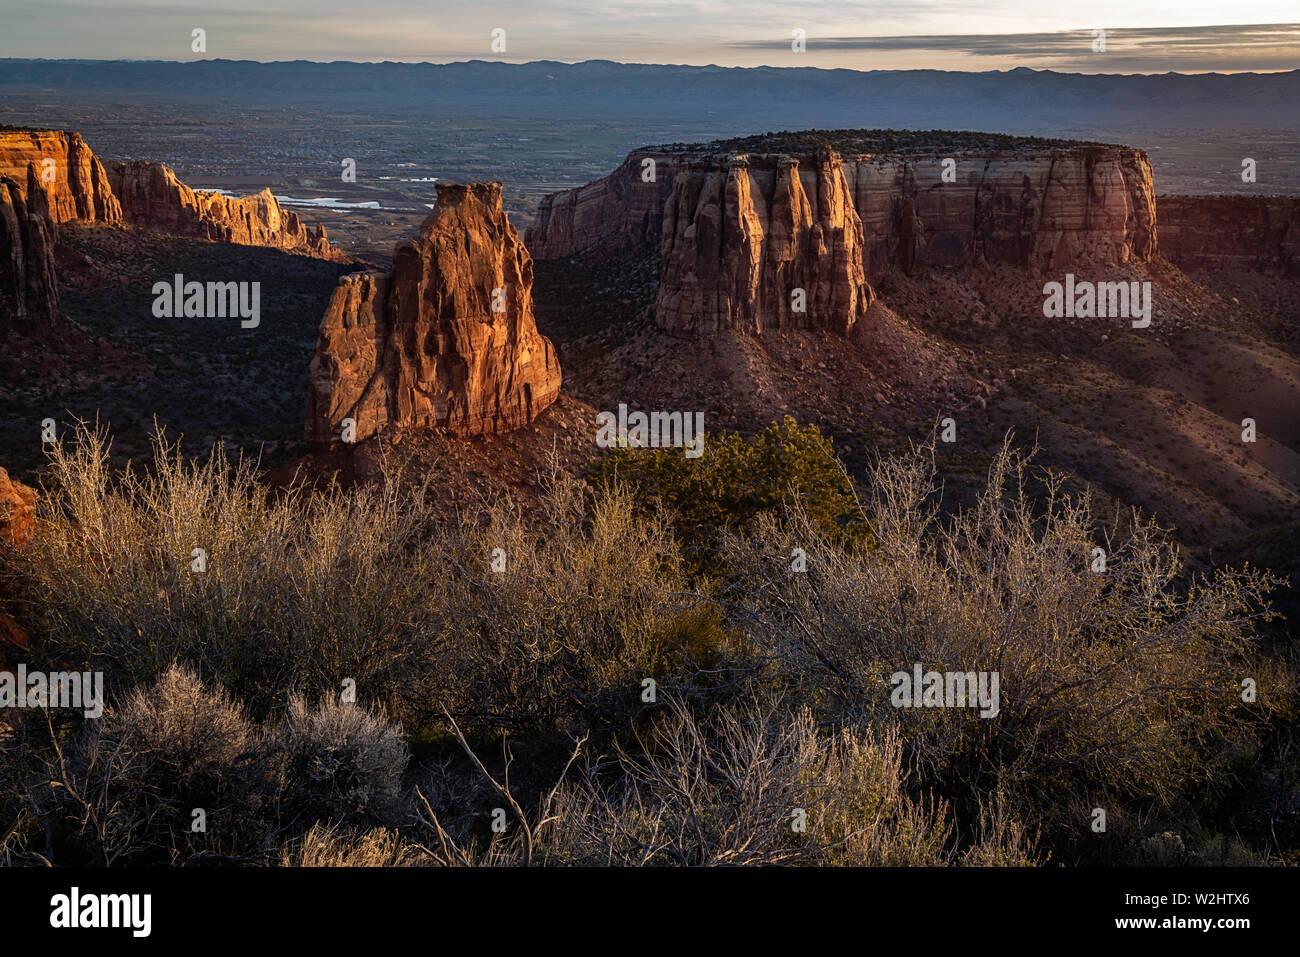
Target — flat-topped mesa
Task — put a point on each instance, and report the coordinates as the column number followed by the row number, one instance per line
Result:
column 445, row 340
column 763, row 243
column 74, row 181
column 29, row 291
column 153, row 198
column 1259, row 233
column 924, row 199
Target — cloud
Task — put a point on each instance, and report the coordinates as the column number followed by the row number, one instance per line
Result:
column 1140, row 48
column 981, row 34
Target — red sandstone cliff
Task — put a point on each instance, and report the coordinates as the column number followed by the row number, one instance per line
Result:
column 621, row 209
column 1235, row 232
column 17, row 511
column 29, row 291
column 423, row 345
column 77, row 186
column 1042, row 207
column 741, row 233
column 75, row 182
column 153, row 198
column 763, row 244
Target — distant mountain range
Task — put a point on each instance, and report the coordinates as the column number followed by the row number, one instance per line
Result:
column 1020, row 100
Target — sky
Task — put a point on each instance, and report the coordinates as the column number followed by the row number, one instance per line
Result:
column 1149, row 37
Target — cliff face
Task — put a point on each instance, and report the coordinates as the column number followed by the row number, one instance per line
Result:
column 763, row 244
column 620, row 210
column 79, row 188
column 1233, row 232
column 148, row 195
column 29, row 291
column 1039, row 208
column 153, row 198
column 740, row 232
column 446, row 339
column 1042, row 210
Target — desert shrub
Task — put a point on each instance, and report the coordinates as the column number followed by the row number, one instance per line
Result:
column 1119, row 689
column 337, row 763
column 368, row 585
column 759, row 785
column 748, row 784
column 737, row 479
column 564, row 634
column 294, row 593
column 129, row 785
column 1120, row 683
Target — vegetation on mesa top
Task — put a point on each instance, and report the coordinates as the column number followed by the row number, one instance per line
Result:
column 909, row 142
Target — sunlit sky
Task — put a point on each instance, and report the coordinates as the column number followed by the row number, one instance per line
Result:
column 1149, row 37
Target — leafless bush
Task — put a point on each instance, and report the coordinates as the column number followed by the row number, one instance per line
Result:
column 750, row 786
column 338, row 763
column 1120, row 686
column 1109, row 682
column 758, row 786
column 131, row 785
column 292, row 592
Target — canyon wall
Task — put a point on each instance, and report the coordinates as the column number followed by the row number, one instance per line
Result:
column 1039, row 208
column 741, row 232
column 77, row 186
column 29, row 291
column 1233, row 232
column 73, row 179
column 625, row 208
column 446, row 339
column 154, row 199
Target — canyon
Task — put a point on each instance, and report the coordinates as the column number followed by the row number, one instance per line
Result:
column 446, row 339
column 920, row 260
column 873, row 282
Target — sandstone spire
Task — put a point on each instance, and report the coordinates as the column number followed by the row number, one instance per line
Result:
column 446, row 339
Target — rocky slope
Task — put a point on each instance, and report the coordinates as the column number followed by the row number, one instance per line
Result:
column 29, row 291
column 446, row 339
column 1232, row 232
column 75, row 182
column 153, row 198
